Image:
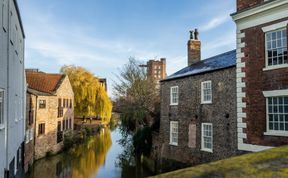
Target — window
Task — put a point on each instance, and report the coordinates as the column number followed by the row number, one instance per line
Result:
column 70, row 103
column 59, row 126
column 70, row 123
column 174, row 133
column 41, row 129
column 174, row 95
column 1, row 108
column 277, row 114
column 207, row 137
column 206, row 92
column 276, row 47
column 31, row 117
column 42, row 104
column 63, row 125
column 60, row 112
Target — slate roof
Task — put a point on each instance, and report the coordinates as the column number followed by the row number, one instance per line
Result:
column 44, row 82
column 221, row 61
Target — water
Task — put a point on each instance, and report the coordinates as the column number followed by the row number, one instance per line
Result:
column 97, row 158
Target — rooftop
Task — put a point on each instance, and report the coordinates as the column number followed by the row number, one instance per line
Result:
column 44, row 82
column 221, row 61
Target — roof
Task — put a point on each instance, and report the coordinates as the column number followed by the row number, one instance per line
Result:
column 221, row 61
column 44, row 82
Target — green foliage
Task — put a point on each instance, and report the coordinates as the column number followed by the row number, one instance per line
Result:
column 90, row 97
column 142, row 141
column 88, row 132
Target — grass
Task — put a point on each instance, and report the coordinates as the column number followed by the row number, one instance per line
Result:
column 271, row 163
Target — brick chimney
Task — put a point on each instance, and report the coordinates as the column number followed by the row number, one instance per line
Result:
column 194, row 48
column 244, row 4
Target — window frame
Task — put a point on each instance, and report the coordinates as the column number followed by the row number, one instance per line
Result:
column 202, row 92
column 40, row 104
column 171, row 133
column 202, row 138
column 44, row 130
column 172, row 103
column 268, row 130
column 267, row 30
column 2, row 115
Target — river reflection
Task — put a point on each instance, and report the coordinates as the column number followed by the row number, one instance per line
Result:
column 97, row 158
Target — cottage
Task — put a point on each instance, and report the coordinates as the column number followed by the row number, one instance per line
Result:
column 262, row 68
column 12, row 90
column 52, row 100
column 198, row 109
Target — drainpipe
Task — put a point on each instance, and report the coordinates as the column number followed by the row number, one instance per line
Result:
column 34, row 135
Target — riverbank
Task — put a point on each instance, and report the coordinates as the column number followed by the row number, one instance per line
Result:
column 269, row 163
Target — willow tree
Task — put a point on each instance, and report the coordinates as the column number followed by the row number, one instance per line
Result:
column 90, row 97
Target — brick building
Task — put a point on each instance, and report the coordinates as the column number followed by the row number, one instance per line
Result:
column 156, row 69
column 262, row 68
column 52, row 99
column 198, row 109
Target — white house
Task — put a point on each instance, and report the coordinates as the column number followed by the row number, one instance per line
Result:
column 12, row 90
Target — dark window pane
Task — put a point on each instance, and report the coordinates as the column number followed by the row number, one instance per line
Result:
column 270, row 117
column 281, row 126
column 270, row 126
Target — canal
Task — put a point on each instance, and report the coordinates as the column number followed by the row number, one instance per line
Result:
column 101, row 156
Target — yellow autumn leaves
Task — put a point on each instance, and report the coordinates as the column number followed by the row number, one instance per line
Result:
column 90, row 97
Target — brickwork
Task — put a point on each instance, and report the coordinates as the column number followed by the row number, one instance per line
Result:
column 221, row 113
column 194, row 51
column 156, row 69
column 244, row 4
column 258, row 81
column 31, row 100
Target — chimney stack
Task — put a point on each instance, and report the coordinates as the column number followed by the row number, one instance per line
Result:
column 194, row 47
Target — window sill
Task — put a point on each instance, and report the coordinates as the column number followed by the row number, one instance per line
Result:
column 173, row 144
column 275, row 67
column 278, row 134
column 2, row 127
column 207, row 150
column 210, row 102
column 174, row 104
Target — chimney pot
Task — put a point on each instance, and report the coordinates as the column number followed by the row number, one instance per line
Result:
column 194, row 48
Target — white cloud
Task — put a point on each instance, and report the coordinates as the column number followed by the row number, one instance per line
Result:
column 215, row 22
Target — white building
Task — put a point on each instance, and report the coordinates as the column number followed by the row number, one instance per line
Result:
column 12, row 90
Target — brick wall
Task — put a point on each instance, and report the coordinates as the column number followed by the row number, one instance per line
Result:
column 224, row 129
column 258, row 81
column 244, row 4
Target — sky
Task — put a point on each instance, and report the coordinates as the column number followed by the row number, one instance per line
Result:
column 101, row 35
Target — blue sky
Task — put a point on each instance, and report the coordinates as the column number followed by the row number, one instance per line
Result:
column 101, row 35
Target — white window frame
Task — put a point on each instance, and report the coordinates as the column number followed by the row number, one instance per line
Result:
column 268, row 94
column 272, row 28
column 171, row 96
column 202, row 138
column 2, row 100
column 173, row 123
column 202, row 92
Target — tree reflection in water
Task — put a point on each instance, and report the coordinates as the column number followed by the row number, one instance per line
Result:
column 83, row 161
column 91, row 159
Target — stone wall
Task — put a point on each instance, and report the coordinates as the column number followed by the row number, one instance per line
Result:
column 48, row 142
column 222, row 113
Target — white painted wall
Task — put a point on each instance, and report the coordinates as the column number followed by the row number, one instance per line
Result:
column 12, row 80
